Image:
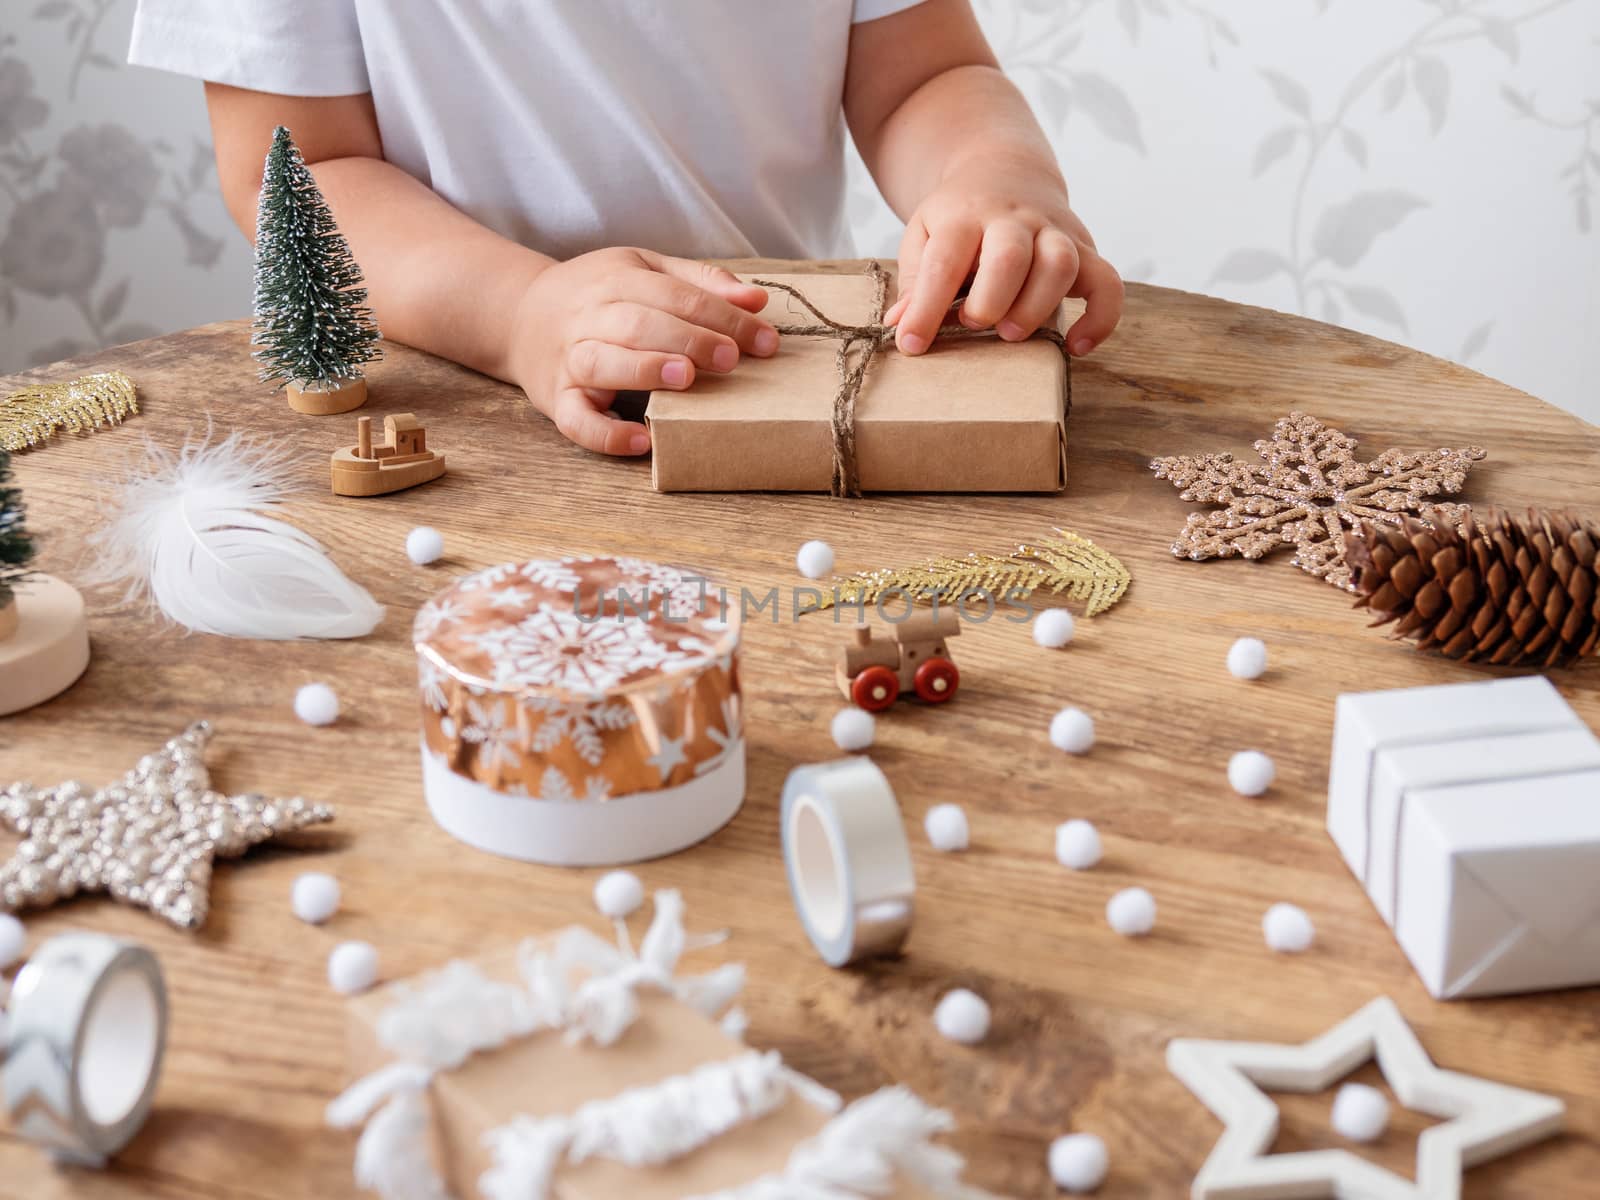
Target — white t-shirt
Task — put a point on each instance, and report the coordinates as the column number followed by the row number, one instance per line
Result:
column 704, row 128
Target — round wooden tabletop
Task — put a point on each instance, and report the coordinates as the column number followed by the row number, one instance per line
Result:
column 1081, row 1015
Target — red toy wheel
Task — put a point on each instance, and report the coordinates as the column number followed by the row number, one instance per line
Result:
column 875, row 689
column 937, row 680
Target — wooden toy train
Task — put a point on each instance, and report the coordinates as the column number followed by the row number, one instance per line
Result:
column 875, row 673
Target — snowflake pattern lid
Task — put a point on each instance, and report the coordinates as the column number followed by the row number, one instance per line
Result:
column 579, row 679
column 573, row 628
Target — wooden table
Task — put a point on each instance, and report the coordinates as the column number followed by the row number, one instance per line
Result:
column 1081, row 1016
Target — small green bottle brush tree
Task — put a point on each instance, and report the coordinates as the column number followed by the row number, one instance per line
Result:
column 16, row 546
column 313, row 328
column 44, row 639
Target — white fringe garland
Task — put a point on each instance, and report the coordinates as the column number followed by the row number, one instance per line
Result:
column 859, row 1153
column 645, row 1126
column 457, row 1012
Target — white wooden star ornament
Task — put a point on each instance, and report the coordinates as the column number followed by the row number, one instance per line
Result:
column 148, row 840
column 1482, row 1120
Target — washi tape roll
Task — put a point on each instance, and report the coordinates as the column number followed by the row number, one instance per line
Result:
column 848, row 859
column 87, row 1030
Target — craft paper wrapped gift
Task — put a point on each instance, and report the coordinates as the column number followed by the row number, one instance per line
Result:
column 971, row 415
column 589, row 1079
column 580, row 711
column 1471, row 813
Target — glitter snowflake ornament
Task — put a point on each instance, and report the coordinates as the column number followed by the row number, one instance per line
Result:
column 149, row 839
column 1307, row 490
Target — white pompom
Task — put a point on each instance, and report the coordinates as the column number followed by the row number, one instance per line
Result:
column 1360, row 1113
column 353, row 967
column 1078, row 1162
column 947, row 827
column 317, row 704
column 1072, row 730
column 1288, row 929
column 424, row 545
column 1053, row 628
column 815, row 560
column 13, row 940
column 314, row 897
column 1251, row 772
column 618, row 894
column 1247, row 658
column 1132, row 912
column 1077, row 845
column 962, row 1016
column 853, row 728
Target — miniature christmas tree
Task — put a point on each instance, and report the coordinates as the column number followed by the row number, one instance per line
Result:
column 44, row 639
column 16, row 547
column 312, row 324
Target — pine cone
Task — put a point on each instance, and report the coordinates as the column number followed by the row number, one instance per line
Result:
column 1508, row 591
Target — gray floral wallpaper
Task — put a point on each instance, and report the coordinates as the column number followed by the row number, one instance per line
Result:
column 111, row 226
column 1424, row 170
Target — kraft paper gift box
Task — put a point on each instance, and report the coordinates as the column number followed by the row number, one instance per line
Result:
column 549, row 1074
column 542, row 1075
column 970, row 415
column 1461, row 809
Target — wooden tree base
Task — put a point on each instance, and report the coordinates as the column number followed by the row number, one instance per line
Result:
column 49, row 648
column 319, row 400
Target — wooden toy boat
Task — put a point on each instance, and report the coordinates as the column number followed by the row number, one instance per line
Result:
column 401, row 461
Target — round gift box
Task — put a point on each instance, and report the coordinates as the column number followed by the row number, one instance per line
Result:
column 581, row 711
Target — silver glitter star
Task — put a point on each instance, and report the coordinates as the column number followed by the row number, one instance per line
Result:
column 149, row 839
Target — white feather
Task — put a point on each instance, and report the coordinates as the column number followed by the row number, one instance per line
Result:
column 188, row 532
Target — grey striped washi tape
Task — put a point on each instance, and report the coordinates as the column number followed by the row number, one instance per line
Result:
column 87, row 1025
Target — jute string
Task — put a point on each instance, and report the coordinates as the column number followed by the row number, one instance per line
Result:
column 859, row 345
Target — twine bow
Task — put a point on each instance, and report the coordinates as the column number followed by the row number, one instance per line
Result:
column 858, row 346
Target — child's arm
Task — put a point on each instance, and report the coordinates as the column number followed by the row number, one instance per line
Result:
column 571, row 334
column 958, row 155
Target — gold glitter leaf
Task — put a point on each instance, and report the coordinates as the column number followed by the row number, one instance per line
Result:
column 1065, row 564
column 36, row 414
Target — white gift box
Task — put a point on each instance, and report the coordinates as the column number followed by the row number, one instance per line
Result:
column 1368, row 723
column 1503, row 886
column 1471, row 813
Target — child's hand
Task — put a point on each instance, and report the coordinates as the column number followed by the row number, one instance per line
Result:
column 1008, row 227
column 628, row 320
